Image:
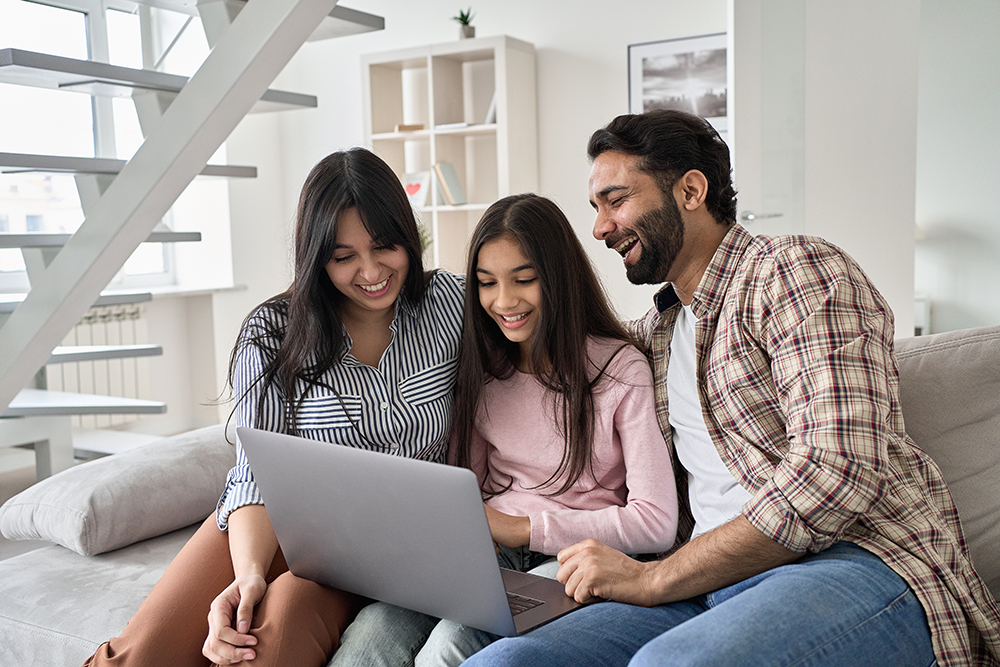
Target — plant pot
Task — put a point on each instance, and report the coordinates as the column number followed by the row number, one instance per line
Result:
column 466, row 31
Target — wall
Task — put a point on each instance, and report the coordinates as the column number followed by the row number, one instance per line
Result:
column 825, row 129
column 581, row 50
column 958, row 141
column 582, row 84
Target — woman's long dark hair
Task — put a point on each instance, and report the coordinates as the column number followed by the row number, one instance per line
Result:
column 312, row 340
column 573, row 307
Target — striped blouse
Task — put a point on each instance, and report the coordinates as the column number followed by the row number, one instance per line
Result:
column 403, row 407
column 799, row 386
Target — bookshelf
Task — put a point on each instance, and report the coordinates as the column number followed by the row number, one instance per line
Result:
column 446, row 91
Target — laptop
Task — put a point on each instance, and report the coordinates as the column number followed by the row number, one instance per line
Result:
column 407, row 532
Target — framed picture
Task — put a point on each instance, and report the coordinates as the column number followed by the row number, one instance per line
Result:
column 688, row 74
column 416, row 185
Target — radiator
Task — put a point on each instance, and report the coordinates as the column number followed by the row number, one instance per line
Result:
column 128, row 378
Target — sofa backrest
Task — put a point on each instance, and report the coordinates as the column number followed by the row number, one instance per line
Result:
column 950, row 392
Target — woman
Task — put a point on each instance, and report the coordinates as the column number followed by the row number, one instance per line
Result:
column 563, row 432
column 361, row 351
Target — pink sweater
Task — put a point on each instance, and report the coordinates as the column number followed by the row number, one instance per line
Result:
column 635, row 511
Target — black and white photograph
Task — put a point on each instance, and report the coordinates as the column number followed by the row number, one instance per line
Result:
column 688, row 74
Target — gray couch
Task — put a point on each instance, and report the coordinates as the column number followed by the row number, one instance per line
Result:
column 117, row 522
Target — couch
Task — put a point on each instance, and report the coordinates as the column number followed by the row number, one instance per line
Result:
column 115, row 523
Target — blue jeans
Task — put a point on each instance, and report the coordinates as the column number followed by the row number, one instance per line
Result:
column 843, row 606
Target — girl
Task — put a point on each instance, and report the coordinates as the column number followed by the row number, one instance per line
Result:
column 562, row 433
column 361, row 351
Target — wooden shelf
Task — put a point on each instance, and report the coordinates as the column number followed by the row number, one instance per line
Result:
column 11, row 162
column 67, row 354
column 42, row 403
column 42, row 70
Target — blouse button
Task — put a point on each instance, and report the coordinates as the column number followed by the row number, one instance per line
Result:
column 385, row 405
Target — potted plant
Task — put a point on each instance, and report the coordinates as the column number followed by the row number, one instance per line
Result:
column 464, row 20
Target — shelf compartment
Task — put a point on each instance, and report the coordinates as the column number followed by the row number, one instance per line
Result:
column 41, row 70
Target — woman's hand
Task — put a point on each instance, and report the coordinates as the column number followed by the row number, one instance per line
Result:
column 226, row 645
column 508, row 530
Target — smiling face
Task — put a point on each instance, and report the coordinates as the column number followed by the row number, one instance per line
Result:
column 510, row 292
column 369, row 274
column 635, row 217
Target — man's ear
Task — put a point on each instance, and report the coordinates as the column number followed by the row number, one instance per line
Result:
column 692, row 189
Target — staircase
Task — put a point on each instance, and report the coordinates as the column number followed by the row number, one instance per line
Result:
column 184, row 121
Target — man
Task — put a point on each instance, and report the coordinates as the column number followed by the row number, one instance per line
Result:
column 822, row 534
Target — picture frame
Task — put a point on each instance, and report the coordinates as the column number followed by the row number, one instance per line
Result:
column 687, row 73
column 417, row 184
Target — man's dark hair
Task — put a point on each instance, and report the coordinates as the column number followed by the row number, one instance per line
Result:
column 668, row 144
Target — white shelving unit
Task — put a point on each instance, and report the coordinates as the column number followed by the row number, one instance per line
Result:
column 448, row 90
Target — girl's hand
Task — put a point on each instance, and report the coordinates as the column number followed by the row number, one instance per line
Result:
column 225, row 645
column 508, row 530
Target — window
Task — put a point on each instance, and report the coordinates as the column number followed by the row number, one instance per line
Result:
column 52, row 122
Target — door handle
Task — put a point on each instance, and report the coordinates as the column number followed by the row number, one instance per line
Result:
column 750, row 216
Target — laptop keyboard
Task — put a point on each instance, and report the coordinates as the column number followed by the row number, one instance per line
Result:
column 520, row 603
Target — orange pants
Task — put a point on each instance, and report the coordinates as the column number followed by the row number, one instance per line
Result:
column 297, row 622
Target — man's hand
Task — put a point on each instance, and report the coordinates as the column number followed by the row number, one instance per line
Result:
column 593, row 571
column 225, row 645
column 508, row 530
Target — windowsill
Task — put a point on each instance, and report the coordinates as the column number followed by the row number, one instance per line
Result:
column 178, row 290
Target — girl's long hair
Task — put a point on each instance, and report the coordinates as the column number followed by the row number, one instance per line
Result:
column 312, row 339
column 574, row 307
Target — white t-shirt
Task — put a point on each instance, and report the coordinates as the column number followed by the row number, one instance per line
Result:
column 714, row 494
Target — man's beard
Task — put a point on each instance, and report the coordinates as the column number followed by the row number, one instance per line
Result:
column 661, row 233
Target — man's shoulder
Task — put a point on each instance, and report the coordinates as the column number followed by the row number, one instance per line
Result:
column 789, row 245
column 793, row 253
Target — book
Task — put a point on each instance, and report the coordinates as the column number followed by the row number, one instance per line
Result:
column 491, row 113
column 451, row 126
column 451, row 187
column 417, row 185
column 400, row 127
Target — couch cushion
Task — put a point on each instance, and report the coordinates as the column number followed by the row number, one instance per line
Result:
column 125, row 498
column 57, row 607
column 950, row 392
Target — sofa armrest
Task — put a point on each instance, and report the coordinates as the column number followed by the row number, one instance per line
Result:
column 115, row 501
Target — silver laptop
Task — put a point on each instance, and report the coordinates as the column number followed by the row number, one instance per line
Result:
column 407, row 532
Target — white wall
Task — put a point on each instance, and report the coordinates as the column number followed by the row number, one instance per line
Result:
column 860, row 133
column 581, row 50
column 958, row 163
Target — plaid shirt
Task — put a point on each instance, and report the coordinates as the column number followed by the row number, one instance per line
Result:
column 799, row 388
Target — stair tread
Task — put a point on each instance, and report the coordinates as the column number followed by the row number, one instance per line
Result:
column 10, row 301
column 69, row 353
column 43, row 70
column 341, row 22
column 87, row 441
column 53, row 240
column 41, row 402
column 99, row 165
